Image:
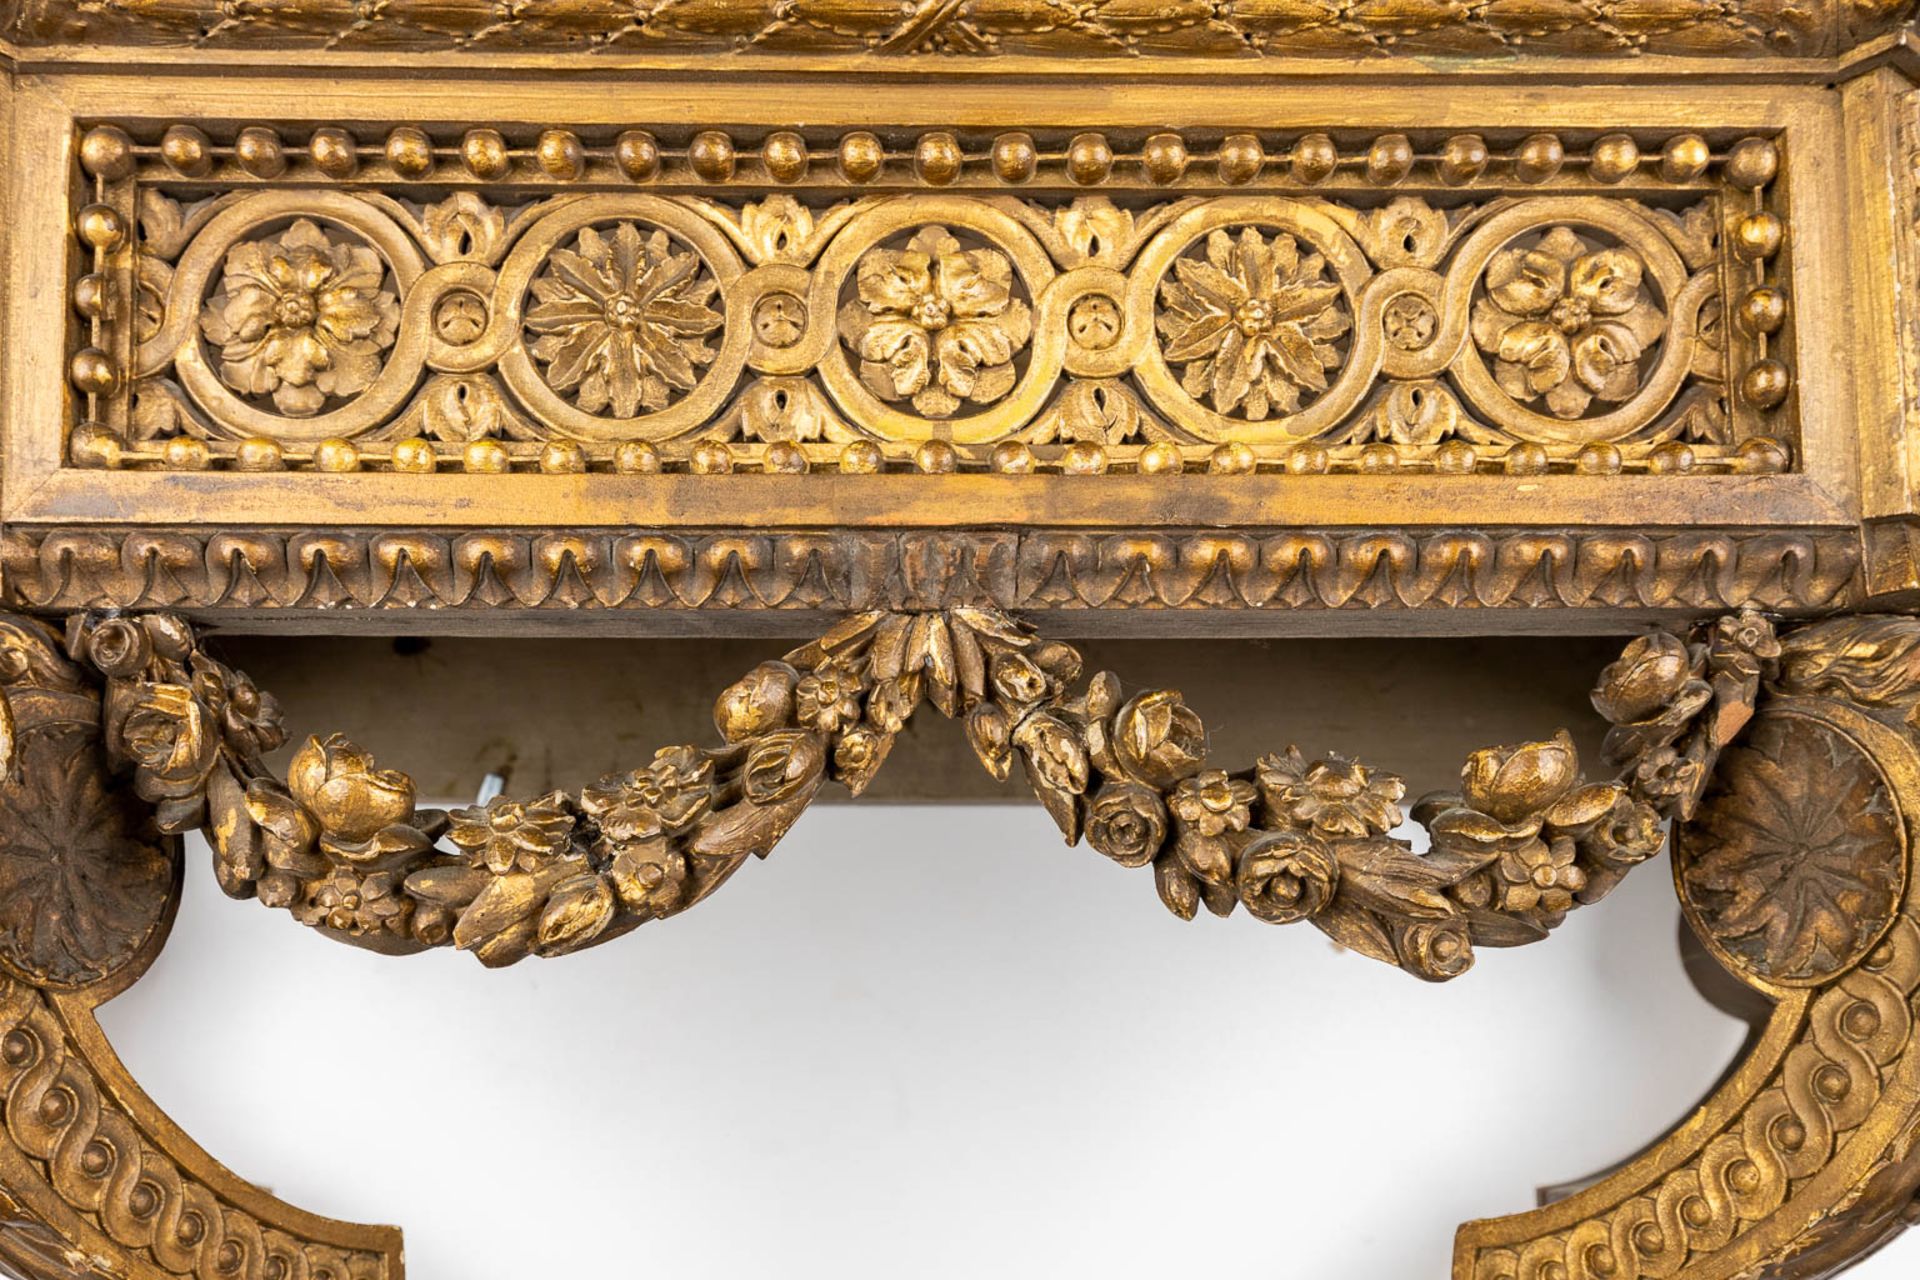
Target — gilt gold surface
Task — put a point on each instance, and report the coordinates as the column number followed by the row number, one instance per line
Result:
column 1297, row 360
column 1432, row 307
column 939, row 332
column 1796, row 870
column 1794, row 862
column 94, row 1180
column 1106, row 28
column 341, row 845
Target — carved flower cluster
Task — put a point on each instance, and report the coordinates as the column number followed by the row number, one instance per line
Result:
column 343, row 846
column 301, row 318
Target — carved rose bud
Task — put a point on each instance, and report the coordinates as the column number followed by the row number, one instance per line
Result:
column 1128, row 823
column 1213, row 803
column 1629, row 835
column 858, row 754
column 336, row 782
column 893, row 701
column 171, row 740
column 579, row 910
column 779, row 764
column 992, row 739
column 288, row 830
column 1018, row 678
column 649, row 877
column 1159, row 739
column 1179, row 890
column 757, row 703
column 1512, row 784
column 1054, row 752
column 1434, row 950
column 1286, row 876
column 1648, row 676
column 172, row 637
column 119, row 647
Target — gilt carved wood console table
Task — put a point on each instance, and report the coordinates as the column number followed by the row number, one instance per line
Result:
column 937, row 334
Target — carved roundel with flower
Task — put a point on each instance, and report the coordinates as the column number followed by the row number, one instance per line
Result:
column 620, row 321
column 1257, row 322
column 1796, row 861
column 85, row 880
column 302, row 317
column 1568, row 322
column 936, row 324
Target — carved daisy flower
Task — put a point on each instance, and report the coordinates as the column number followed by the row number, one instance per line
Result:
column 1566, row 322
column 936, row 324
column 301, row 318
column 621, row 320
column 1254, row 323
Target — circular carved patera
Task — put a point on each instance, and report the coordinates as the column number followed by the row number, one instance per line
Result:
column 621, row 319
column 1796, row 862
column 1257, row 323
column 85, row 880
column 1568, row 321
column 302, row 317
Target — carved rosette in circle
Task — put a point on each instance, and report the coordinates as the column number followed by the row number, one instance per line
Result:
column 1257, row 323
column 85, row 881
column 1567, row 321
column 1795, row 864
column 619, row 321
column 302, row 317
column 936, row 324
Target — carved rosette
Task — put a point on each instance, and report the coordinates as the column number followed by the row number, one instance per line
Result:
column 1460, row 326
column 1797, row 862
column 86, row 883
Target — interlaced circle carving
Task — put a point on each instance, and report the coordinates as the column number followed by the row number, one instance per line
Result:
column 643, row 331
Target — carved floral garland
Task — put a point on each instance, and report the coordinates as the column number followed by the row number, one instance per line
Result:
column 342, row 844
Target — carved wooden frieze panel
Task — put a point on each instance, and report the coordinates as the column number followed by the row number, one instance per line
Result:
column 1426, row 357
column 561, row 303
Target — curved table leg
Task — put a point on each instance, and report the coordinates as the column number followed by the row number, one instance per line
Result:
column 1796, row 872
column 94, row 1179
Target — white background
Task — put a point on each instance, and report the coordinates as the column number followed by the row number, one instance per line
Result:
column 925, row 1043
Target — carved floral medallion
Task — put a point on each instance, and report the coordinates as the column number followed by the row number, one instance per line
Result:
column 622, row 320
column 1796, row 862
column 1255, row 322
column 1454, row 326
column 83, row 879
column 935, row 324
column 1567, row 323
column 301, row 317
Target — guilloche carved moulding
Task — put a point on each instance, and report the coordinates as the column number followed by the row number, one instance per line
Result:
column 932, row 338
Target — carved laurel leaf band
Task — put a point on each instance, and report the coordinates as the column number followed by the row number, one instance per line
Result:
column 343, row 846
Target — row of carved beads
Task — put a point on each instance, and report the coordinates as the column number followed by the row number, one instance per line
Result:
column 936, row 158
